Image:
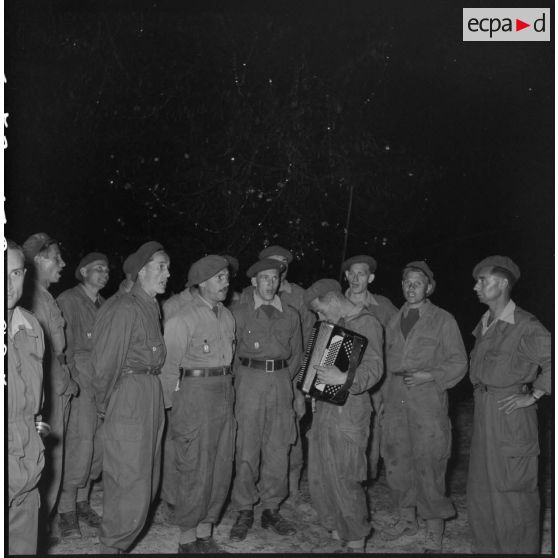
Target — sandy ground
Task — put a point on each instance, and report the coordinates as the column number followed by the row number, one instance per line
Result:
column 162, row 537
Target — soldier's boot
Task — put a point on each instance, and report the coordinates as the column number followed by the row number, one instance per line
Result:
column 434, row 535
column 244, row 521
column 69, row 526
column 87, row 514
column 273, row 519
column 406, row 525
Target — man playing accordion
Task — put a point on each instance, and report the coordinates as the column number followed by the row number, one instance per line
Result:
column 339, row 434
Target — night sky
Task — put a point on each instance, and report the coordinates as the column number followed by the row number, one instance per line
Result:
column 223, row 128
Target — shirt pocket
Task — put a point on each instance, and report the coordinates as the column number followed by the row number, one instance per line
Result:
column 158, row 350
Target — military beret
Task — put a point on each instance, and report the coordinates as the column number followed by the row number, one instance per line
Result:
column 127, row 265
column 275, row 251
column 422, row 266
column 141, row 256
column 263, row 265
column 205, row 268
column 498, row 261
column 86, row 260
column 36, row 243
column 346, row 265
column 233, row 263
column 320, row 288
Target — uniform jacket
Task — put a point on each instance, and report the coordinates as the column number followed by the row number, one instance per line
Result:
column 24, row 386
column 433, row 345
column 379, row 306
column 510, row 354
column 127, row 334
column 79, row 313
column 196, row 338
column 263, row 338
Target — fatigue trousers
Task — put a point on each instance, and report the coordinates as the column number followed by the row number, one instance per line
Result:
column 83, row 452
column 416, row 445
column 336, row 469
column 266, row 429
column 132, row 435
column 56, row 416
column 202, row 428
column 296, row 460
column 23, row 523
column 502, row 495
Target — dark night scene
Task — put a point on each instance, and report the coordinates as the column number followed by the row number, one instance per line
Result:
column 332, row 129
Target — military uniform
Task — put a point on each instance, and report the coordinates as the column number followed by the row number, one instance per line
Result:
column 25, row 448
column 58, row 388
column 502, row 493
column 416, row 430
column 379, row 306
column 202, row 424
column 128, row 353
column 338, row 440
column 264, row 400
column 83, row 456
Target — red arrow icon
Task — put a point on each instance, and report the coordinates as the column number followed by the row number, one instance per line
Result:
column 519, row 25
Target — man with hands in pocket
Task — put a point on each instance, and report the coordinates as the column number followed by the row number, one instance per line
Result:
column 510, row 371
column 425, row 357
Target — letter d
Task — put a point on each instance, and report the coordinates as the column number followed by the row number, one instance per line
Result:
column 536, row 24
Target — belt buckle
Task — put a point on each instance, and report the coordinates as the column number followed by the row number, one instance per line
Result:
column 267, row 369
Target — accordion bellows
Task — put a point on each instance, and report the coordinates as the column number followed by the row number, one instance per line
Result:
column 330, row 345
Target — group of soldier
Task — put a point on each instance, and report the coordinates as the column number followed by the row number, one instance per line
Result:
column 210, row 385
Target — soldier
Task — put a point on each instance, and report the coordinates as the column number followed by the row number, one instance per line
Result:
column 197, row 383
column 360, row 272
column 267, row 358
column 83, row 457
column 24, row 395
column 425, row 357
column 43, row 253
column 339, row 434
column 293, row 295
column 128, row 353
column 511, row 370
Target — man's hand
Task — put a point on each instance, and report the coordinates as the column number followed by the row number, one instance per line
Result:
column 413, row 379
column 299, row 404
column 330, row 375
column 516, row 401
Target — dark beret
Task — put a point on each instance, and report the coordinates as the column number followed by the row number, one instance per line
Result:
column 205, row 268
column 86, row 260
column 263, row 265
column 345, row 266
column 276, row 251
column 126, row 266
column 141, row 256
column 320, row 288
column 233, row 263
column 36, row 243
column 422, row 266
column 498, row 261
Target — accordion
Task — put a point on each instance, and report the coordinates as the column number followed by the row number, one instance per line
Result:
column 330, row 345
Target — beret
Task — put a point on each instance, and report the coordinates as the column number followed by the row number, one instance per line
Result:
column 345, row 266
column 205, row 268
column 86, row 260
column 35, row 244
column 498, row 261
column 127, row 264
column 320, row 288
column 422, row 266
column 263, row 265
column 233, row 263
column 276, row 251
column 141, row 256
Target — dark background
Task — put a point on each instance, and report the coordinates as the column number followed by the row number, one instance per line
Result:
column 227, row 127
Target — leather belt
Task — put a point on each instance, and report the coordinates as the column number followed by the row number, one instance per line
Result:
column 522, row 388
column 146, row 371
column 267, row 365
column 204, row 372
